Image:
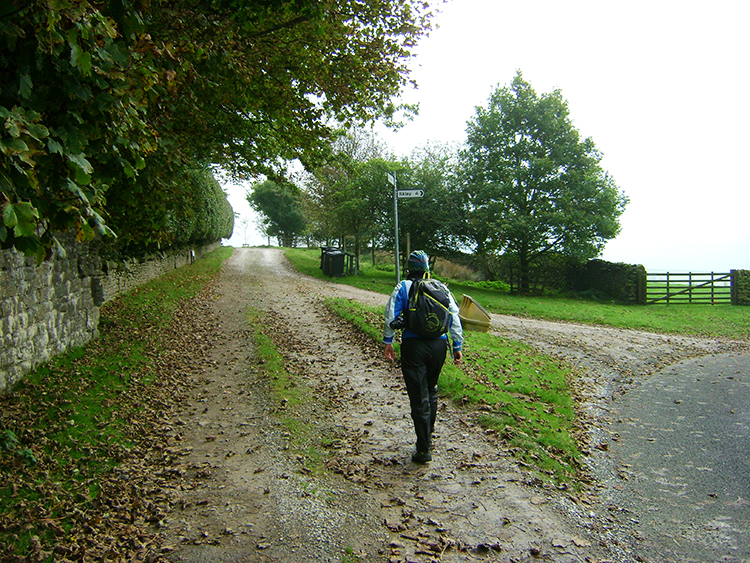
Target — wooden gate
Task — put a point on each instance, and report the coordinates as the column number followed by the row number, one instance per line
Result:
column 707, row 288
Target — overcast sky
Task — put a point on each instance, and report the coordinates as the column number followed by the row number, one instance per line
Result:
column 661, row 87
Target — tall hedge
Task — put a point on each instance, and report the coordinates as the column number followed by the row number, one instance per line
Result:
column 741, row 288
column 606, row 280
column 203, row 213
column 193, row 211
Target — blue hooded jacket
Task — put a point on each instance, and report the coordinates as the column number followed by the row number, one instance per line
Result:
column 397, row 303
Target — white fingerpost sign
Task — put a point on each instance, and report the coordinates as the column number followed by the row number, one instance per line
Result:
column 410, row 193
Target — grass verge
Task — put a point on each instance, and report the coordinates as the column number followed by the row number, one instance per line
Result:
column 67, row 427
column 522, row 395
column 290, row 396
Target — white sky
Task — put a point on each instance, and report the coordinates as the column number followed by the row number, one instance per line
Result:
column 661, row 86
column 246, row 227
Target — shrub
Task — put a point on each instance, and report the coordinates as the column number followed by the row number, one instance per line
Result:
column 496, row 285
column 451, row 270
column 195, row 212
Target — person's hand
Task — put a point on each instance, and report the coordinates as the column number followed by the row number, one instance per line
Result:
column 457, row 357
column 390, row 353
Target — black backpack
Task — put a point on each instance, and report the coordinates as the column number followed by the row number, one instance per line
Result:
column 427, row 312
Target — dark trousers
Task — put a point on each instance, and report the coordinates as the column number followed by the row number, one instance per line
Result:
column 421, row 362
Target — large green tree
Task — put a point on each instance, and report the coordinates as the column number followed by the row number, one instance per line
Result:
column 103, row 104
column 531, row 185
column 280, row 207
column 346, row 193
column 432, row 221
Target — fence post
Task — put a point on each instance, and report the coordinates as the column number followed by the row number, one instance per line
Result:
column 640, row 290
column 735, row 289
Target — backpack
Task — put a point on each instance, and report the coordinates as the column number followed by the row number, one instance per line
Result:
column 427, row 312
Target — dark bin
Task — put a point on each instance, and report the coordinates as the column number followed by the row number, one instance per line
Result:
column 334, row 264
column 324, row 250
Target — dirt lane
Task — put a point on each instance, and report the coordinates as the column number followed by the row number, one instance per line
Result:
column 247, row 498
column 246, row 495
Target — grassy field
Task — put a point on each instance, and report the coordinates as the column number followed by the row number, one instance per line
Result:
column 714, row 321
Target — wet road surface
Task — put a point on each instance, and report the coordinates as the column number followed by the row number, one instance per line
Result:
column 682, row 444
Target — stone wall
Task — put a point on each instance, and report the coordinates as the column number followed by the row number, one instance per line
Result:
column 117, row 277
column 46, row 309
column 54, row 306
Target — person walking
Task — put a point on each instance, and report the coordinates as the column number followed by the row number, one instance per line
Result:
column 422, row 359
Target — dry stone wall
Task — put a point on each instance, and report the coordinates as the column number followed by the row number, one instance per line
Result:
column 54, row 306
column 117, row 277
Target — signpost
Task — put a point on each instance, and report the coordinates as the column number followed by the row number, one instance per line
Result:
column 410, row 193
column 392, row 180
column 399, row 194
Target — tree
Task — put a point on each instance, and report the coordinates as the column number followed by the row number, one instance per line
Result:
column 433, row 220
column 92, row 95
column 71, row 121
column 345, row 194
column 531, row 185
column 280, row 204
column 354, row 198
column 368, row 202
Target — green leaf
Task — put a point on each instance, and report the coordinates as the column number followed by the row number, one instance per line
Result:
column 82, row 178
column 24, row 88
column 16, row 146
column 80, row 161
column 30, row 246
column 9, row 216
column 86, row 62
column 59, row 249
column 27, row 217
column 80, row 58
column 54, row 147
column 38, row 131
column 76, row 191
column 26, row 211
column 127, row 168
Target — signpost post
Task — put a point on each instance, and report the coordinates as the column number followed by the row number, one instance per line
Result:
column 399, row 194
column 392, row 180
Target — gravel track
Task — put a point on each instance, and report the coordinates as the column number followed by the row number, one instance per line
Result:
column 247, row 493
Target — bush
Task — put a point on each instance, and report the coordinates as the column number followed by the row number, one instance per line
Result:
column 499, row 286
column 451, row 270
column 204, row 214
column 606, row 280
column 193, row 211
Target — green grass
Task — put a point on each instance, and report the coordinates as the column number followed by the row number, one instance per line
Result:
column 307, row 261
column 711, row 321
column 76, row 417
column 522, row 395
column 289, row 395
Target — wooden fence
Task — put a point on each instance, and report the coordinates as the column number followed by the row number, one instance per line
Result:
column 671, row 288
